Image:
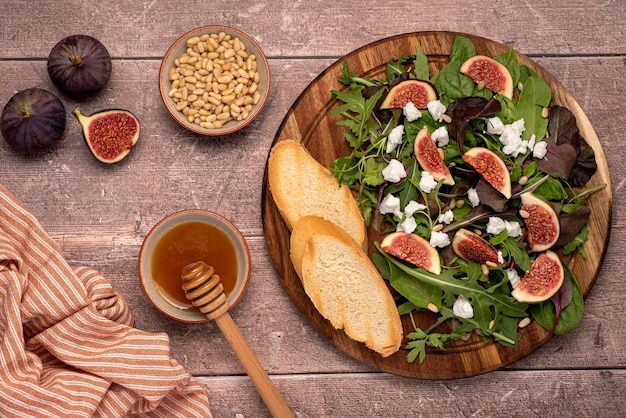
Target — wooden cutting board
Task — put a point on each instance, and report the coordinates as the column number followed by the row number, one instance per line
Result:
column 309, row 122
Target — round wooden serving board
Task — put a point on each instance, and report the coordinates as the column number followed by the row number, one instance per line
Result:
column 309, row 122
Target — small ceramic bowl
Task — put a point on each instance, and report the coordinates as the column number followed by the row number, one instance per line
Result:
column 181, row 235
column 180, row 47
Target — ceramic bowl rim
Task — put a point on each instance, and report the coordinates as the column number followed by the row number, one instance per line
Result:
column 262, row 67
column 178, row 218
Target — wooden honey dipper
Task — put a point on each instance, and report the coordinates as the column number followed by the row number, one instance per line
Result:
column 203, row 288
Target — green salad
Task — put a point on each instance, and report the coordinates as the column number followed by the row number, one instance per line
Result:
column 440, row 158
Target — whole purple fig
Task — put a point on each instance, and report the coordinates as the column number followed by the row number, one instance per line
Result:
column 33, row 120
column 79, row 65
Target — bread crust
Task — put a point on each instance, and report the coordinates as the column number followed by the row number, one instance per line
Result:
column 301, row 186
column 344, row 285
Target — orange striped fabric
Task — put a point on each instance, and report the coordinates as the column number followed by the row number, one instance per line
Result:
column 67, row 343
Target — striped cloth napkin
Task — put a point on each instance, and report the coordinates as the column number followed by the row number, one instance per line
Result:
column 67, row 344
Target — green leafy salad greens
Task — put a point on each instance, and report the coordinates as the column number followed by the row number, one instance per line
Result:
column 470, row 202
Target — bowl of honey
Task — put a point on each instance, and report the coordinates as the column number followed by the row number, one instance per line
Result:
column 183, row 238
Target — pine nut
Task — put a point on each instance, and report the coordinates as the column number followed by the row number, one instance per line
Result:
column 215, row 80
column 484, row 269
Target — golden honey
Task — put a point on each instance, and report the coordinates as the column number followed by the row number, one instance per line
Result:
column 187, row 243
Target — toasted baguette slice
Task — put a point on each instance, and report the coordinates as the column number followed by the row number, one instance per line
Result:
column 301, row 186
column 344, row 285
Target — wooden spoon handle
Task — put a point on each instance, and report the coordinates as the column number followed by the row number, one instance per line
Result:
column 264, row 386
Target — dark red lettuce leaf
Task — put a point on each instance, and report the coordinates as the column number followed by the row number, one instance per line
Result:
column 571, row 223
column 562, row 126
column 559, row 159
column 465, row 109
column 585, row 166
column 561, row 299
column 564, row 130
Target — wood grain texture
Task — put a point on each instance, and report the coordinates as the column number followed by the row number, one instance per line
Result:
column 498, row 394
column 100, row 214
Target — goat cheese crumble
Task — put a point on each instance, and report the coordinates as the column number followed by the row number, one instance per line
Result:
column 495, row 225
column 513, row 277
column 472, row 195
column 408, row 225
column 413, row 207
column 446, row 218
column 511, row 138
column 463, row 308
column 427, row 183
column 394, row 172
column 394, row 138
column 540, row 150
column 436, row 109
column 411, row 112
column 390, row 204
column 439, row 239
column 495, row 125
column 440, row 136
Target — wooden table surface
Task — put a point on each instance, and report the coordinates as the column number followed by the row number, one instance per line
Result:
column 99, row 214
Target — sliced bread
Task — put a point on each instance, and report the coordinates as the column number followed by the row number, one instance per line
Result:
column 344, row 285
column 301, row 186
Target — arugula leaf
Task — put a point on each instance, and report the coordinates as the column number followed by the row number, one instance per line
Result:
column 349, row 78
column 517, row 250
column 396, row 69
column 357, row 111
column 420, row 339
column 483, row 299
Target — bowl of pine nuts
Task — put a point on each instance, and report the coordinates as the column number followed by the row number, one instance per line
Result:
column 214, row 80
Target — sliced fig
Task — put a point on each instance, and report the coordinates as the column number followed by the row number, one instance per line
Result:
column 542, row 281
column 79, row 65
column 491, row 168
column 419, row 92
column 471, row 247
column 110, row 134
column 489, row 73
column 413, row 249
column 33, row 120
column 542, row 222
column 429, row 158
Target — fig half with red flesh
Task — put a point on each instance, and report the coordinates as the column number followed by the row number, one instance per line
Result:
column 489, row 73
column 110, row 134
column 491, row 168
column 542, row 281
column 419, row 92
column 430, row 159
column 413, row 249
column 542, row 222
column 471, row 247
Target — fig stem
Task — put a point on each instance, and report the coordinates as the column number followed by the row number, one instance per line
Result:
column 25, row 111
column 76, row 60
